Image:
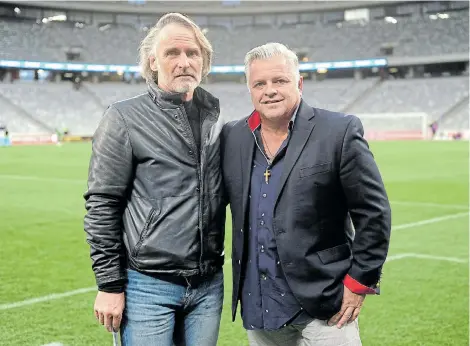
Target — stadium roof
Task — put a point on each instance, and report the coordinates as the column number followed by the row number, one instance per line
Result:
column 221, row 7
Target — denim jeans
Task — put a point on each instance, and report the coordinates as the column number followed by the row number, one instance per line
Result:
column 163, row 313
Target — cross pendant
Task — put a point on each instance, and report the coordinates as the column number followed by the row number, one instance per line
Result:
column 267, row 174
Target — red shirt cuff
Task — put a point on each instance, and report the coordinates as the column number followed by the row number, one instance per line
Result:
column 358, row 288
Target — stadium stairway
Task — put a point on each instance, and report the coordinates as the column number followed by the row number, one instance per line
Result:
column 455, row 108
column 453, row 117
column 96, row 99
column 362, row 96
column 28, row 117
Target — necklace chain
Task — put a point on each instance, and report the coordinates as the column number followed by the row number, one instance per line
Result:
column 265, row 143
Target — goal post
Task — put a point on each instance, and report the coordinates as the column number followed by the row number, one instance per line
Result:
column 395, row 126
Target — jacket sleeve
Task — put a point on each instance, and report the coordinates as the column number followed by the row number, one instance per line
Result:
column 369, row 209
column 223, row 140
column 109, row 176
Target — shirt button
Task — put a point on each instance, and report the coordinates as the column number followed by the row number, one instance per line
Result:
column 278, row 262
column 239, row 262
column 283, row 294
column 241, row 230
column 265, row 195
column 267, row 310
column 190, row 152
column 254, row 166
column 262, row 214
column 261, row 223
column 249, row 196
column 198, row 189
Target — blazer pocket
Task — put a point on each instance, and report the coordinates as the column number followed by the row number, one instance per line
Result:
column 318, row 168
column 334, row 254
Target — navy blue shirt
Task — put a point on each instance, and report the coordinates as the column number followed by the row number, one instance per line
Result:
column 266, row 300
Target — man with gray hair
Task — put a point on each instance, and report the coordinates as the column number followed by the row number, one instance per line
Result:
column 302, row 175
column 155, row 214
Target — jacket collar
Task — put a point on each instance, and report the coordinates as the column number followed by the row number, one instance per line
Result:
column 202, row 98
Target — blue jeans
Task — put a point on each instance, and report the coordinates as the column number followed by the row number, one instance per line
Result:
column 163, row 313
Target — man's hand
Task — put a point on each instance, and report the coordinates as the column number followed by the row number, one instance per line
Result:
column 350, row 308
column 108, row 309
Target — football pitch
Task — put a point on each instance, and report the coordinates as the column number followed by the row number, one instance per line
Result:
column 47, row 287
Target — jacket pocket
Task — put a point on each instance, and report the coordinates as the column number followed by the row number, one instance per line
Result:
column 335, row 254
column 145, row 231
column 216, row 226
column 316, row 169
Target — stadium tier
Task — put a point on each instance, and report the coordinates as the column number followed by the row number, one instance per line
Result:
column 118, row 43
column 81, row 110
column 400, row 66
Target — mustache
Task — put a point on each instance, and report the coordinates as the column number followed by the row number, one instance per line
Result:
column 185, row 75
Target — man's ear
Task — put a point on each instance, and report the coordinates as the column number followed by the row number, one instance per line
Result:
column 153, row 63
column 301, row 84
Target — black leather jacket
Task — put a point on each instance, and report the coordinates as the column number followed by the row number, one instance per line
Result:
column 153, row 204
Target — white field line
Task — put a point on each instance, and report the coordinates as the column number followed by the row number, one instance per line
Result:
column 429, row 221
column 43, row 179
column 47, row 298
column 83, row 182
column 431, row 205
column 426, row 257
column 54, row 344
column 55, row 296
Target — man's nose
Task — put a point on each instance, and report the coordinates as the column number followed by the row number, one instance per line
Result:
column 183, row 61
column 270, row 90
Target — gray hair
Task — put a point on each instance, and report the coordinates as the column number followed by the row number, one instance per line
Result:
column 149, row 44
column 270, row 50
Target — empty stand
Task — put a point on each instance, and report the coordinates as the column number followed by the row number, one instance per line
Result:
column 10, row 116
column 434, row 96
column 109, row 93
column 59, row 105
column 56, row 104
column 118, row 43
column 458, row 118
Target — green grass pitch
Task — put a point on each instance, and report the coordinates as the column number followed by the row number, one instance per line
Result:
column 424, row 298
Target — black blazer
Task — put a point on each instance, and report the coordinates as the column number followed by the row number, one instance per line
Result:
column 330, row 178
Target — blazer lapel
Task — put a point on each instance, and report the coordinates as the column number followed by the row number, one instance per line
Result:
column 303, row 127
column 246, row 163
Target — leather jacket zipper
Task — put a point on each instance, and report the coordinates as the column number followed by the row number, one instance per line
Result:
column 204, row 140
column 199, row 158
